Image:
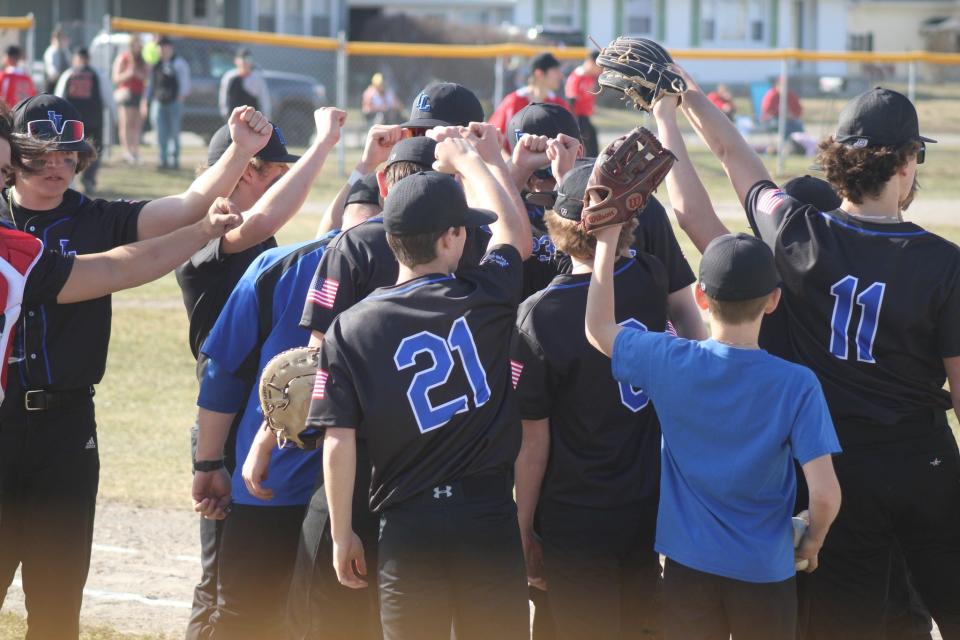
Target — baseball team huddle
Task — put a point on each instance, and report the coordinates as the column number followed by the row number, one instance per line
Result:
column 487, row 381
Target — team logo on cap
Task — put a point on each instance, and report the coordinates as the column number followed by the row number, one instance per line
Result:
column 518, row 133
column 56, row 117
column 422, row 103
column 860, row 143
column 279, row 134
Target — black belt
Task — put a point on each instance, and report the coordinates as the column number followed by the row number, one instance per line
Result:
column 42, row 400
column 488, row 485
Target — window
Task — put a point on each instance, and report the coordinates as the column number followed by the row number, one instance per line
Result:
column 639, row 15
column 293, row 16
column 267, row 15
column 560, row 13
column 861, row 42
column 734, row 21
column 320, row 17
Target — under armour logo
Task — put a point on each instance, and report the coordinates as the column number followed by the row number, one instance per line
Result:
column 56, row 117
column 446, row 492
column 935, row 462
column 422, row 103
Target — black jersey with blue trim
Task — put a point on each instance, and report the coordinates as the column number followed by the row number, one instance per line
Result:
column 870, row 307
column 422, row 370
column 64, row 346
column 604, row 435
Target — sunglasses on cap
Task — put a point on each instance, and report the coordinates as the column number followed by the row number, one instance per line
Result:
column 70, row 131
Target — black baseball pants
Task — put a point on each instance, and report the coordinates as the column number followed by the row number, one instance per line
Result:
column 205, row 593
column 449, row 558
column 49, row 476
column 258, row 547
column 603, row 575
column 319, row 607
column 704, row 606
column 902, row 493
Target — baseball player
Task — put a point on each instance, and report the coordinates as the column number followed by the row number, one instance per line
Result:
column 731, row 431
column 589, row 463
column 442, row 431
column 54, row 373
column 543, row 83
column 869, row 303
column 580, row 90
column 269, row 193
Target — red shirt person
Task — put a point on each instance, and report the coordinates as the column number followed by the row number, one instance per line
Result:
column 15, row 84
column 543, row 84
column 580, row 89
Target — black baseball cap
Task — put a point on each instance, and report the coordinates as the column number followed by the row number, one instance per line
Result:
column 544, row 62
column 274, row 151
column 879, row 118
column 573, row 186
column 737, row 267
column 542, row 119
column 366, row 190
column 813, row 191
column 429, row 201
column 420, row 150
column 48, row 107
column 445, row 104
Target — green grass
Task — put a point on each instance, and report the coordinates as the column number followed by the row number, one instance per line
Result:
column 14, row 627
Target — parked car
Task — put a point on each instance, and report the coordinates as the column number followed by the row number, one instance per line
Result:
column 294, row 96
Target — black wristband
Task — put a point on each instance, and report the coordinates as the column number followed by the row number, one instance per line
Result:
column 208, row 465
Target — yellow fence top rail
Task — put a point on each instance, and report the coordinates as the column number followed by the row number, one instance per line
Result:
column 414, row 50
column 24, row 22
column 223, row 35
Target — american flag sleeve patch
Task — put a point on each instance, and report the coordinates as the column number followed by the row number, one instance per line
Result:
column 320, row 384
column 324, row 292
column 516, row 368
column 769, row 200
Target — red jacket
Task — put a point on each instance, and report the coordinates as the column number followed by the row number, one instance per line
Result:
column 513, row 103
column 770, row 107
column 19, row 252
column 15, row 85
column 580, row 89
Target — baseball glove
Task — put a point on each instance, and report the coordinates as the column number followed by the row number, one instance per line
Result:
column 286, row 387
column 641, row 70
column 624, row 176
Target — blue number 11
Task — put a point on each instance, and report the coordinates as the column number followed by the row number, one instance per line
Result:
column 870, row 300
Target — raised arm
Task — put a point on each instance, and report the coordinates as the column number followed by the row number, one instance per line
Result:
column 600, row 323
column 99, row 274
column 285, row 198
column 743, row 166
column 486, row 139
column 688, row 197
column 484, row 191
column 250, row 132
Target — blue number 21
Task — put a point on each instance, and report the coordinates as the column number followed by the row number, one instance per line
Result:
column 870, row 301
column 441, row 351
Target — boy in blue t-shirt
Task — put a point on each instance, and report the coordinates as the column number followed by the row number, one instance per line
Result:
column 733, row 417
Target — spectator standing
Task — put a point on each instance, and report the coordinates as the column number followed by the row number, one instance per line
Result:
column 169, row 86
column 130, row 73
column 770, row 108
column 379, row 104
column 56, row 59
column 82, row 86
column 723, row 98
column 15, row 84
column 244, row 85
column 580, row 92
column 542, row 86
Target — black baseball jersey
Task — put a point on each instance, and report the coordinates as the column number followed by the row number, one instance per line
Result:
column 64, row 346
column 870, row 307
column 206, row 281
column 654, row 235
column 604, row 435
column 422, row 369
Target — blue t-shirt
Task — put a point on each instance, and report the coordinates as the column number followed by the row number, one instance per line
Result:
column 260, row 319
column 732, row 420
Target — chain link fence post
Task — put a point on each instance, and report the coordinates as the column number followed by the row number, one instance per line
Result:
column 782, row 118
column 912, row 81
column 30, row 44
column 498, row 74
column 342, row 98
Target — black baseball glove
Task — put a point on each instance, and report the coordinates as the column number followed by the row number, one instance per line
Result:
column 641, row 70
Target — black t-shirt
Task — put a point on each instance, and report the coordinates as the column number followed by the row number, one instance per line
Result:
column 870, row 307
column 206, row 281
column 604, row 435
column 422, row 370
column 360, row 261
column 64, row 346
